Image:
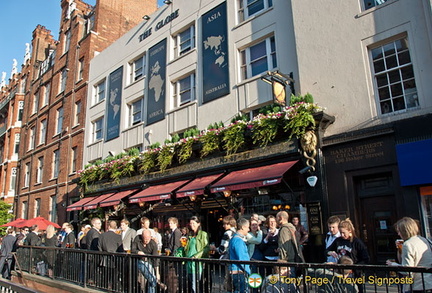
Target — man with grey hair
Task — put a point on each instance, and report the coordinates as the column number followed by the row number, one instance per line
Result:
column 238, row 251
column 288, row 248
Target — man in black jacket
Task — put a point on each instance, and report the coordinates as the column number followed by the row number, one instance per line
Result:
column 111, row 242
column 92, row 237
column 33, row 238
column 7, row 247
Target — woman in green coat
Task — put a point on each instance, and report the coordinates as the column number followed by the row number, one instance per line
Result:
column 197, row 247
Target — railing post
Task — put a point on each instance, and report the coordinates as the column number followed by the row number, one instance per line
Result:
column 85, row 269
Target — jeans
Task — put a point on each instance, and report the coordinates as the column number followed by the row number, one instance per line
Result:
column 239, row 283
column 149, row 273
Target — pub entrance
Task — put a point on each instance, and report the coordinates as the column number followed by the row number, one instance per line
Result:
column 378, row 215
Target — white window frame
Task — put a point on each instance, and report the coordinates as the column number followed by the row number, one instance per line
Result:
column 74, row 157
column 368, row 4
column 35, row 102
column 97, row 129
column 32, row 138
column 24, row 208
column 246, row 68
column 137, row 68
column 181, row 89
column 53, row 210
column 27, row 175
column 80, row 69
column 134, row 110
column 17, row 143
column 395, row 85
column 181, row 40
column 77, row 112
column 67, row 41
column 42, row 131
column 39, row 172
column 46, row 94
column 37, row 207
column 13, row 178
column 20, row 110
column 99, row 92
column 63, row 80
column 59, row 126
column 244, row 8
column 56, row 163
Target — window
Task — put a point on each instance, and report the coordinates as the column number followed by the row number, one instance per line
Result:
column 394, row 77
column 37, row 206
column 77, row 112
column 74, row 157
column 56, row 163
column 258, row 58
column 42, row 131
column 32, row 138
column 53, row 210
column 24, row 207
column 46, row 93
column 89, row 24
column 63, row 79
column 17, row 143
column 372, row 3
column 80, row 69
column 23, row 84
column 98, row 129
column 27, row 175
column 67, row 39
column 20, row 110
column 35, row 102
column 39, row 170
column 137, row 69
column 99, row 92
column 248, row 8
column 184, row 90
column 59, row 120
column 13, row 179
column 185, row 41
column 135, row 112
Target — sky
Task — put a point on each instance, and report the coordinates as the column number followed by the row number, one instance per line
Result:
column 18, row 19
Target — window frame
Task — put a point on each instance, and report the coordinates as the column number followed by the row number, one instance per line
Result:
column 244, row 8
column 179, row 91
column 39, row 171
column 67, row 41
column 133, row 112
column 136, row 73
column 63, row 80
column 96, row 130
column 56, row 163
column 42, row 131
column 59, row 120
column 27, row 175
column 46, row 94
column 77, row 112
column 179, row 41
column 246, row 66
column 32, row 138
column 99, row 92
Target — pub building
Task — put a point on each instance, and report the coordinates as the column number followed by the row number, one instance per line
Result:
column 195, row 63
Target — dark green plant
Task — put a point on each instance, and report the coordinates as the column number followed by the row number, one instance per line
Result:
column 264, row 130
column 240, row 117
column 210, row 142
column 308, row 98
column 234, row 137
column 123, row 167
column 185, row 150
column 300, row 120
column 165, row 157
column 5, row 216
column 148, row 162
column 133, row 152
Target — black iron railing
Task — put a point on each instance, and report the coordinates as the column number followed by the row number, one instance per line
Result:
column 121, row 272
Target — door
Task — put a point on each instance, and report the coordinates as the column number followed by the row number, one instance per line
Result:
column 377, row 231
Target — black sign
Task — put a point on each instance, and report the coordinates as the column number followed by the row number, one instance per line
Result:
column 315, row 218
column 156, row 83
column 113, row 105
column 215, row 53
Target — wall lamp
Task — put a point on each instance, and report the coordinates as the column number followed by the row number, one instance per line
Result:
column 227, row 193
column 146, row 17
column 167, row 2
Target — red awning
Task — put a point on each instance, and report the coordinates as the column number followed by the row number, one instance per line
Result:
column 253, row 177
column 76, row 206
column 95, row 202
column 157, row 192
column 197, row 186
column 116, row 198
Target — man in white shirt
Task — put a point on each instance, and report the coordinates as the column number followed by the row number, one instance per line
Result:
column 333, row 227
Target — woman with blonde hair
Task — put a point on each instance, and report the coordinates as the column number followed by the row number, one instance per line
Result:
column 50, row 241
column 416, row 252
column 348, row 244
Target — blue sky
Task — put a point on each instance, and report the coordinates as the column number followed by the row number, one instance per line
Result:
column 18, row 19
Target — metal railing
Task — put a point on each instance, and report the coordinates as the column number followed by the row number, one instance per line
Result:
column 121, row 272
column 11, row 287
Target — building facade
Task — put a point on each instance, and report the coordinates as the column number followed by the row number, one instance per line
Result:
column 52, row 132
column 183, row 68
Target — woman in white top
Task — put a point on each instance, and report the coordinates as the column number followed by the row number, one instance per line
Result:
column 416, row 252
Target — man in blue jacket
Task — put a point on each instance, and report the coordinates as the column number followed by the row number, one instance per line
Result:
column 238, row 251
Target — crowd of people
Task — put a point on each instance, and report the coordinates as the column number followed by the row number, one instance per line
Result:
column 274, row 238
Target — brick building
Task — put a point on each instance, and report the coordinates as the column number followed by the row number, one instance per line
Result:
column 52, row 133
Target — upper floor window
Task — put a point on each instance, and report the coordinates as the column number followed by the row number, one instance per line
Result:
column 80, row 69
column 42, row 131
column 74, row 156
column 185, row 41
column 23, row 84
column 99, row 92
column 184, row 90
column 17, row 143
column 27, row 175
column 393, row 71
column 20, row 110
column 59, row 120
column 258, row 58
column 98, row 129
column 35, row 102
column 39, row 170
column 46, row 93
column 77, row 112
column 137, row 68
column 135, row 112
column 32, row 138
column 248, row 8
column 53, row 208
column 89, row 24
column 56, row 163
column 372, row 3
column 63, row 79
column 67, row 39
column 13, row 179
